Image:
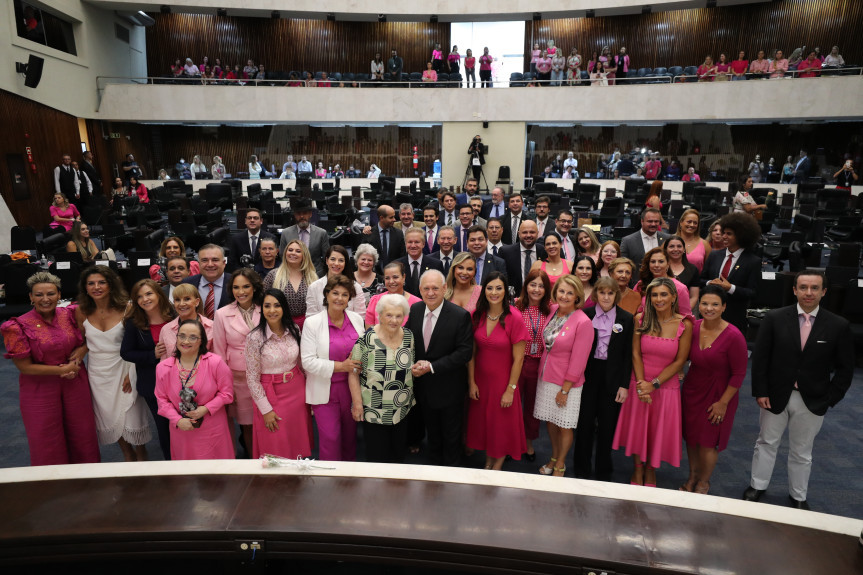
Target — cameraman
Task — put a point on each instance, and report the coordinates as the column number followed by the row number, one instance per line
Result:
column 846, row 176
column 477, row 156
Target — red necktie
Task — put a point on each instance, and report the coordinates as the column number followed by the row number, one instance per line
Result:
column 210, row 304
column 726, row 269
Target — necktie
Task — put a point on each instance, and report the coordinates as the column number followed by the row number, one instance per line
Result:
column 528, row 261
column 449, row 219
column 210, row 304
column 805, row 329
column 415, row 274
column 563, row 248
column 427, row 330
column 430, row 242
column 385, row 252
column 478, row 275
column 726, row 269
column 514, row 228
column 541, row 226
column 304, row 237
column 497, row 210
column 494, row 250
column 464, row 240
column 254, row 245
column 446, row 265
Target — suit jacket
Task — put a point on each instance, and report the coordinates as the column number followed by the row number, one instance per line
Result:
column 414, row 224
column 633, row 248
column 822, row 369
column 319, row 243
column 485, row 212
column 93, row 175
column 510, row 236
column 744, row 276
column 802, row 173
column 460, row 240
column 315, row 353
column 492, row 263
column 618, row 366
column 224, row 300
column 437, row 255
column 240, row 247
column 449, row 351
column 512, row 257
column 229, row 335
column 441, row 219
column 435, row 247
column 427, row 263
column 396, row 247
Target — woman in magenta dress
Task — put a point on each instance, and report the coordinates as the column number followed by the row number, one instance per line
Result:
column 655, row 265
column 48, row 348
column 277, row 383
column 710, row 392
column 649, row 426
column 193, row 388
column 697, row 248
column 494, row 420
column 461, row 287
column 554, row 266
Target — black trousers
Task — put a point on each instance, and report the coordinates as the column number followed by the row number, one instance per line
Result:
column 444, row 426
column 386, row 443
column 162, row 424
column 597, row 421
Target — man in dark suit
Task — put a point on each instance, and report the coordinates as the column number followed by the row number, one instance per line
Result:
column 447, row 251
column 92, row 173
column 430, row 230
column 443, row 337
column 496, row 208
column 521, row 256
column 465, row 222
column 606, row 381
column 634, row 246
column 385, row 235
column 514, row 218
column 734, row 269
column 246, row 242
column 563, row 228
column 802, row 365
column 415, row 262
column 802, row 168
column 85, row 188
column 448, row 214
column 176, row 270
column 213, row 284
column 316, row 239
column 477, row 243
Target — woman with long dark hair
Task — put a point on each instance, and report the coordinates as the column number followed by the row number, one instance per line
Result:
column 81, row 242
column 655, row 265
column 338, row 262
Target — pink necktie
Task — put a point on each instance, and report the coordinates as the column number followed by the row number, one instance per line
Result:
column 427, row 330
column 430, row 242
column 805, row 329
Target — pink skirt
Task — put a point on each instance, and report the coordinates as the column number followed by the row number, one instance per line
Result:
column 288, row 399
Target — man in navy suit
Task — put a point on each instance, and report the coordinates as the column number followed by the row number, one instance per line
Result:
column 246, row 242
column 802, row 364
column 415, row 262
column 520, row 256
column 212, row 279
column 448, row 215
column 465, row 222
column 514, row 218
column 430, row 230
column 447, row 251
column 385, row 234
column 802, row 169
column 477, row 242
column 496, row 208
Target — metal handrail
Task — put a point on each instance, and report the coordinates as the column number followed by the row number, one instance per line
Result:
column 788, row 74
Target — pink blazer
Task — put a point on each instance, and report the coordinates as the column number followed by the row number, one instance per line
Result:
column 229, row 335
column 214, row 385
column 567, row 359
column 168, row 335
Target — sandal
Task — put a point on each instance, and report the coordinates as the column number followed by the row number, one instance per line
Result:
column 545, row 469
column 633, row 481
column 700, row 489
column 561, row 470
column 689, row 486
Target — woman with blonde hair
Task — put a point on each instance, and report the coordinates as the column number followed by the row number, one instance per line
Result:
column 697, row 248
column 197, row 167
column 293, row 278
column 218, row 169
column 461, row 287
column 587, row 243
column 63, row 214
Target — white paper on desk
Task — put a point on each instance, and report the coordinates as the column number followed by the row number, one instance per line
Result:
column 859, row 283
column 143, row 262
column 768, row 275
column 64, row 265
column 102, row 262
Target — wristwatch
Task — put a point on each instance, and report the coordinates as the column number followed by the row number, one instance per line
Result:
column 565, row 392
column 513, row 386
column 656, row 383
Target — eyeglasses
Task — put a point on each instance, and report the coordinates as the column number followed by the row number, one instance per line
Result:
column 189, row 338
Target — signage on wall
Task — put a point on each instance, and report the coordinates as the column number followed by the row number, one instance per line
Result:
column 115, row 135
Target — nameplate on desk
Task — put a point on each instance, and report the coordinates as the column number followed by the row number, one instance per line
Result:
column 102, row 262
column 768, row 275
column 859, row 283
column 64, row 265
column 143, row 262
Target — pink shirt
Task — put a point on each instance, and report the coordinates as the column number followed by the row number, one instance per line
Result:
column 437, row 55
column 759, row 66
column 70, row 212
column 272, row 355
column 470, row 62
column 543, row 65
column 429, row 76
column 485, row 62
column 778, row 68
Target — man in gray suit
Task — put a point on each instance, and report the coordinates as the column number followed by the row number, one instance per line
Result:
column 634, row 246
column 315, row 238
column 477, row 244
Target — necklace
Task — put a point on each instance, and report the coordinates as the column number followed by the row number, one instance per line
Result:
column 495, row 317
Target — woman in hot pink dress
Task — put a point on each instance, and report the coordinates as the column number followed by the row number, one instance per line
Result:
column 697, row 248
column 554, row 266
column 649, row 426
column 494, row 420
column 461, row 287
column 192, row 389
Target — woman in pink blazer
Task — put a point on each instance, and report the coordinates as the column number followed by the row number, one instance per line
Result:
column 568, row 336
column 192, row 388
column 231, row 325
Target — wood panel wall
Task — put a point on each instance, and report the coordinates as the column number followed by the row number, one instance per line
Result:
column 283, row 44
column 685, row 37
column 390, row 147
column 51, row 134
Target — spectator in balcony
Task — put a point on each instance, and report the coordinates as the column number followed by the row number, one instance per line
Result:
column 374, row 172
column 139, row 189
column 336, row 172
column 183, row 170
column 707, row 70
column 163, row 175
column 621, row 62
column 255, row 168
column 599, row 77
column 304, row 166
column 795, row 58
column 810, row 67
column 653, row 167
column 261, row 74
column 760, row 67
column 218, row 70
column 207, row 76
column 437, row 58
column 353, row 172
column 608, row 64
column 601, row 163
column 205, row 63
column 558, row 65
column 395, row 65
column 470, row 69
column 691, row 176
column 788, row 170
column 453, row 60
column 430, row 74
column 324, row 82
column 543, row 68
column 779, row 65
column 534, row 57
column 739, row 66
column 218, row 168
column 250, row 70
column 672, row 174
column 573, row 67
column 568, row 174
column 723, row 68
column 294, row 82
column 288, row 173
column 485, row 62
column 190, row 70
column 320, row 171
column 177, row 68
column 377, row 68
column 756, row 169
column 290, row 162
column 570, row 161
column 846, row 176
column 833, row 59
column 197, row 167
column 591, row 64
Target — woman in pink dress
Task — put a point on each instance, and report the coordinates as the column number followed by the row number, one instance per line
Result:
column 649, row 426
column 534, row 303
column 697, row 248
column 231, row 324
column 494, row 419
column 56, row 406
column 277, row 383
column 554, row 266
column 192, row 389
column 655, row 265
column 461, row 287
column 710, row 392
column 394, row 280
column 63, row 214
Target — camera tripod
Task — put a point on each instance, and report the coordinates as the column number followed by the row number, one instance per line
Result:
column 468, row 173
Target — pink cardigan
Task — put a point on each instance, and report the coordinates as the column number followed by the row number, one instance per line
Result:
column 567, row 359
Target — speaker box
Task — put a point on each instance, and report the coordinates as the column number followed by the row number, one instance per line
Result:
column 34, row 71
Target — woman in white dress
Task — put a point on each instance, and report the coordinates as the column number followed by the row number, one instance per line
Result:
column 120, row 417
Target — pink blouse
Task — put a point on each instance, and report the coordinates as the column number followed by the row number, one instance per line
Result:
column 70, row 212
column 372, row 312
column 470, row 62
column 272, row 355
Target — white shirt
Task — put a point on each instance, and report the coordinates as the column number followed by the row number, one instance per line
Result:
column 570, row 162
column 257, row 241
column 446, row 218
column 567, row 245
column 304, row 166
column 649, row 242
column 735, row 256
column 498, row 245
